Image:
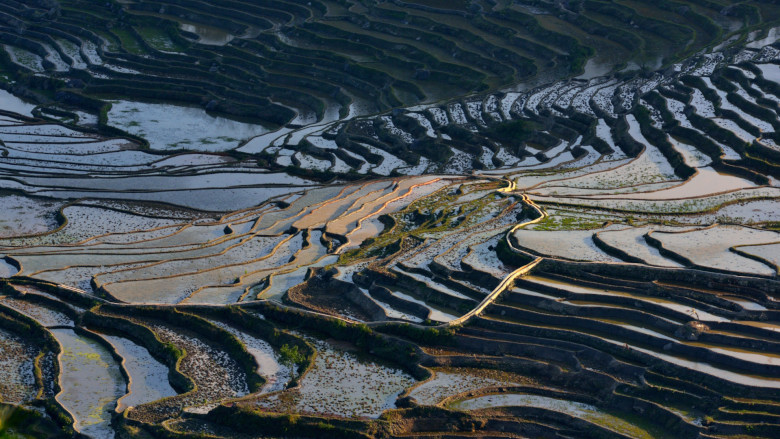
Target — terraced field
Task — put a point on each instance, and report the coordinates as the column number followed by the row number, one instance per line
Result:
column 411, row 244
column 296, row 61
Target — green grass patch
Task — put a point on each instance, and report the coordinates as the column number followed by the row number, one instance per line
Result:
column 438, row 212
column 158, row 38
column 129, row 41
